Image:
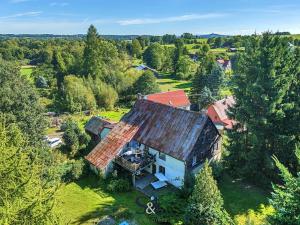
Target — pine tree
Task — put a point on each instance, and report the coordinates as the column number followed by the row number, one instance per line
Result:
column 205, row 205
column 26, row 191
column 206, row 98
column 136, row 48
column 19, row 103
column 286, row 198
column 91, row 53
column 216, row 80
column 198, row 83
column 265, row 88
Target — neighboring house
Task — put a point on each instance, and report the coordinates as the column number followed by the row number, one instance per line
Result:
column 224, row 64
column 143, row 67
column 218, row 112
column 176, row 98
column 157, row 139
column 98, row 128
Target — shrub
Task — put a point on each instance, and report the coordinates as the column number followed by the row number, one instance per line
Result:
column 188, row 186
column 122, row 213
column 72, row 170
column 119, row 185
column 78, row 96
column 41, row 82
column 217, row 169
column 106, row 96
column 75, row 140
column 171, row 209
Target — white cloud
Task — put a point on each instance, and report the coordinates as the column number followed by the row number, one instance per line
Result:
column 61, row 4
column 170, row 19
column 32, row 13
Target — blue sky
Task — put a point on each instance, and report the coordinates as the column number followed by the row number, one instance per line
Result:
column 149, row 16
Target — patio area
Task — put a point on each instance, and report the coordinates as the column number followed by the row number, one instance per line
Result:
column 143, row 184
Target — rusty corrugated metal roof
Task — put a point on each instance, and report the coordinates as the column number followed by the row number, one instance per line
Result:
column 168, row 129
column 96, row 124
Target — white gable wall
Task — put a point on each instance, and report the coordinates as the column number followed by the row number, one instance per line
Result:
column 174, row 168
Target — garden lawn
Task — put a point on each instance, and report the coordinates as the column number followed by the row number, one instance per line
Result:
column 83, row 202
column 169, row 83
column 240, row 197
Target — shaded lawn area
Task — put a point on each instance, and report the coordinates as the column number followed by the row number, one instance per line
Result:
column 83, row 202
column 169, row 83
column 240, row 197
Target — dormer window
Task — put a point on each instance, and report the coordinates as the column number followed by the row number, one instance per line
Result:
column 194, row 162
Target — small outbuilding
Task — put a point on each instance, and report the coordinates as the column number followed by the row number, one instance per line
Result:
column 98, row 128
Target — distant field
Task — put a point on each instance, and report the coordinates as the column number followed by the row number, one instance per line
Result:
column 297, row 36
column 168, row 83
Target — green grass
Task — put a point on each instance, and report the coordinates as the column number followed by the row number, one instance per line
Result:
column 240, row 197
column 168, row 83
column 296, row 36
column 26, row 72
column 115, row 115
column 84, row 203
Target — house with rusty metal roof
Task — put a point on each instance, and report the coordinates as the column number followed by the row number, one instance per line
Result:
column 98, row 128
column 176, row 98
column 157, row 141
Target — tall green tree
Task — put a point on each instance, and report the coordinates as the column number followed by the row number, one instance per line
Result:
column 146, row 84
column 216, row 80
column 90, row 54
column 27, row 194
column 19, row 103
column 265, row 88
column 59, row 67
column 286, row 198
column 136, row 48
column 153, row 56
column 205, row 205
column 78, row 97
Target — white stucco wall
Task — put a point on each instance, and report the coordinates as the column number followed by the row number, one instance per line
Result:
column 174, row 168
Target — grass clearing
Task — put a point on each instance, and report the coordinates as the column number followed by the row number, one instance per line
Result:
column 84, row 202
column 26, row 72
column 241, row 199
column 169, row 83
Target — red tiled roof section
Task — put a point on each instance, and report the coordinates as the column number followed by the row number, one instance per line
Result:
column 221, row 107
column 110, row 146
column 176, row 98
column 168, row 129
